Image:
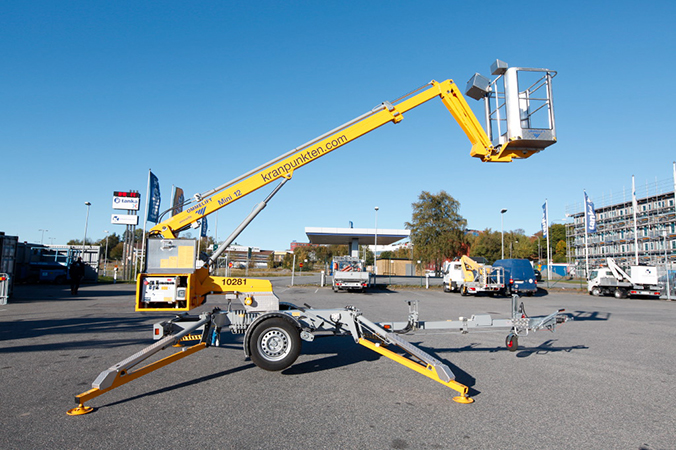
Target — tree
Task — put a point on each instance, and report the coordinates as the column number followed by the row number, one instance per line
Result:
column 437, row 228
column 113, row 240
column 79, row 242
column 557, row 232
column 116, row 252
column 324, row 253
column 488, row 245
column 557, row 241
column 560, row 254
column 517, row 245
column 301, row 254
column 367, row 255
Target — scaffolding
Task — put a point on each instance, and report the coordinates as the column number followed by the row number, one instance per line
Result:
column 648, row 238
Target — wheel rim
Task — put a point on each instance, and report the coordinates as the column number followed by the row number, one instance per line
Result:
column 273, row 345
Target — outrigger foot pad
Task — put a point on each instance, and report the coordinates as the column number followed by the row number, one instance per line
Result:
column 80, row 410
column 463, row 399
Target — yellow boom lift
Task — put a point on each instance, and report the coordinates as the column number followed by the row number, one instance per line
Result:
column 480, row 278
column 520, row 122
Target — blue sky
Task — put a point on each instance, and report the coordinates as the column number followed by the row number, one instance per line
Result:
column 96, row 93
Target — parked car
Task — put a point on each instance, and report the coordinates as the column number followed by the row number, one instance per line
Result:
column 519, row 276
column 538, row 275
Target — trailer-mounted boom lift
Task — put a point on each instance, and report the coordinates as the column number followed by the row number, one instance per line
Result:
column 272, row 330
column 273, row 340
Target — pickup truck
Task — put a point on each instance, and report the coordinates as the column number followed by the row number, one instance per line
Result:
column 349, row 274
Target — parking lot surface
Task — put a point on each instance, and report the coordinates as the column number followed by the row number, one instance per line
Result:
column 602, row 381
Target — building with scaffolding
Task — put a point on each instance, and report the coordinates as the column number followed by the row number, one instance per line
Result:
column 639, row 229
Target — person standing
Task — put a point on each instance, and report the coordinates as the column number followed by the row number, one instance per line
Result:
column 76, row 273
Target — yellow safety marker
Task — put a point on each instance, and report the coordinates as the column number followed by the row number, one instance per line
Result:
column 429, row 370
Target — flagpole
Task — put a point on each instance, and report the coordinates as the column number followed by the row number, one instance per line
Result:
column 586, row 245
column 145, row 221
column 674, row 170
column 634, row 204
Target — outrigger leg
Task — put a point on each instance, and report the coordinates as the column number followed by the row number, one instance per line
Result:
column 120, row 373
column 428, row 365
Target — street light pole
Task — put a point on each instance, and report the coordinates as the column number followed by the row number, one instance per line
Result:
column 84, row 240
column 105, row 256
column 502, row 231
column 375, row 247
column 43, row 235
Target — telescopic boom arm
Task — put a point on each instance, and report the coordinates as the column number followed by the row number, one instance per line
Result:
column 285, row 165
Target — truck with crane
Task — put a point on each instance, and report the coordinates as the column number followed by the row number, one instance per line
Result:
column 173, row 282
column 480, row 278
column 639, row 281
column 349, row 274
column 470, row 277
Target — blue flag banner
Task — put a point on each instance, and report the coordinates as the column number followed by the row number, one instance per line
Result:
column 544, row 220
column 591, row 214
column 179, row 199
column 203, row 230
column 154, row 205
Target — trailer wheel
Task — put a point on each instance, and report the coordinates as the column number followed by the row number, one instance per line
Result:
column 275, row 344
column 620, row 293
column 512, row 342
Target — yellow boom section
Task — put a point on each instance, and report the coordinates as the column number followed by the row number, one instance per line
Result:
column 285, row 166
column 469, row 267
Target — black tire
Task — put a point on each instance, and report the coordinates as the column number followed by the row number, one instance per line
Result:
column 512, row 342
column 446, row 288
column 275, row 344
column 620, row 293
column 463, row 291
column 596, row 291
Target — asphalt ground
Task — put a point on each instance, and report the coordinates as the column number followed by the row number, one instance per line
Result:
column 603, row 381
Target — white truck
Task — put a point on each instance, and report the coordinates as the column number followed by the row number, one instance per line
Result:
column 613, row 280
column 349, row 274
column 453, row 276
